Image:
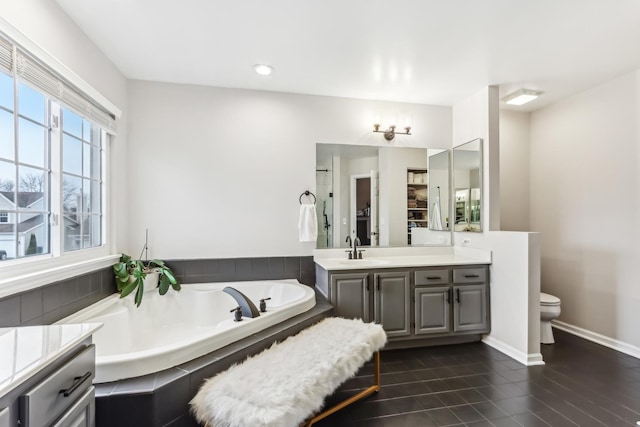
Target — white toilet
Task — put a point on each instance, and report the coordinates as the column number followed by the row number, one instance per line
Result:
column 549, row 310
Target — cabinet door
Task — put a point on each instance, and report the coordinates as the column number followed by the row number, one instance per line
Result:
column 433, row 310
column 470, row 308
column 392, row 302
column 350, row 295
column 81, row 414
column 4, row 418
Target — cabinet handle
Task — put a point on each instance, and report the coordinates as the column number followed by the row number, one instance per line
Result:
column 471, row 276
column 77, row 382
column 448, row 296
column 367, row 285
column 433, row 277
column 378, row 283
column 458, row 296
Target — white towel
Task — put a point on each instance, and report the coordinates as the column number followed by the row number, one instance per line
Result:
column 308, row 223
column 435, row 222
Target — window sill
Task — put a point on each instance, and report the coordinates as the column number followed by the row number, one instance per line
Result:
column 22, row 277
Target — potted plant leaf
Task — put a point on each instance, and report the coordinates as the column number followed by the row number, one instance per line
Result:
column 134, row 275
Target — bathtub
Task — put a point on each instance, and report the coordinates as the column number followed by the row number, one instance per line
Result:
column 168, row 330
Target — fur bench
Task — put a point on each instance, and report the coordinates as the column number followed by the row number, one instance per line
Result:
column 286, row 384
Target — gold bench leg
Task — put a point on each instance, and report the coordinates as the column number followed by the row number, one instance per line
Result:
column 364, row 393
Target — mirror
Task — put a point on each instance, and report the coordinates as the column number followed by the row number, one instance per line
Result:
column 439, row 188
column 378, row 194
column 467, row 179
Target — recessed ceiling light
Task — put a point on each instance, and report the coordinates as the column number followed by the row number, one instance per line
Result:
column 521, row 96
column 263, row 69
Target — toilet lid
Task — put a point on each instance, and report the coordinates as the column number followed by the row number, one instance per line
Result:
column 547, row 299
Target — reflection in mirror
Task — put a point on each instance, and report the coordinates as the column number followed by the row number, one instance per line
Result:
column 467, row 179
column 439, row 191
column 378, row 194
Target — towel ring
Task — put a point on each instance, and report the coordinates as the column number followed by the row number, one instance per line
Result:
column 307, row 193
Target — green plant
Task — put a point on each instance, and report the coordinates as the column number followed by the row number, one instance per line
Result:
column 130, row 275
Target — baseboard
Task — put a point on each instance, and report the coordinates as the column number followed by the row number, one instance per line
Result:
column 597, row 338
column 530, row 359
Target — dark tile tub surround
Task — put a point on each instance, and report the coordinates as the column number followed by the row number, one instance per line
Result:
column 162, row 398
column 50, row 303
column 240, row 269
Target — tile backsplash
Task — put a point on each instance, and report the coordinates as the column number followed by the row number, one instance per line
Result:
column 50, row 303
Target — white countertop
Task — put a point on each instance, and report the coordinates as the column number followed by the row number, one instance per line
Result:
column 26, row 350
column 336, row 259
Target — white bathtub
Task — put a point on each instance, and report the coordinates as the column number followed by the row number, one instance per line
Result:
column 168, row 330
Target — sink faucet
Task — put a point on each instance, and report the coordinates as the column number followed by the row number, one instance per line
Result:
column 353, row 243
column 356, row 242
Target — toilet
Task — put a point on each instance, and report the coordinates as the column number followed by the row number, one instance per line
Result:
column 549, row 310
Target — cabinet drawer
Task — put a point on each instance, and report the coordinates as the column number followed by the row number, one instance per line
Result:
column 470, row 275
column 59, row 391
column 432, row 277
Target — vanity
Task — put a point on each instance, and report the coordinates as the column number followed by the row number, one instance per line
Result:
column 411, row 280
column 426, row 296
column 46, row 375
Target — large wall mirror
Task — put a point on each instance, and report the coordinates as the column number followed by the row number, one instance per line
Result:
column 467, row 180
column 382, row 195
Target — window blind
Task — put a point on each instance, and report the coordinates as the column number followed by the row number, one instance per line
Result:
column 37, row 74
column 6, row 55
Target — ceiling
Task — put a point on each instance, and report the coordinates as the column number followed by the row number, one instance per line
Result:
column 419, row 51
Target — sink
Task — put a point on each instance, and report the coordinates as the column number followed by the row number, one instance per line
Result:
column 365, row 261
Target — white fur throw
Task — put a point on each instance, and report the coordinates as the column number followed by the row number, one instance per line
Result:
column 288, row 382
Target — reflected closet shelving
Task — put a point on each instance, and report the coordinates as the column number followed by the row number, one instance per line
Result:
column 417, row 211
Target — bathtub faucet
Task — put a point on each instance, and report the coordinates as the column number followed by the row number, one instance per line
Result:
column 247, row 307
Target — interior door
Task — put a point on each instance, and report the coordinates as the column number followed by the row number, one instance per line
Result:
column 375, row 235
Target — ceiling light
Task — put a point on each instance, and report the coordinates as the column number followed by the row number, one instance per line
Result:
column 263, row 69
column 521, row 96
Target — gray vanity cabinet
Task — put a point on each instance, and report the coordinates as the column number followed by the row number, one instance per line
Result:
column 392, row 297
column 445, row 308
column 381, row 297
column 4, row 418
column 349, row 294
column 60, row 394
column 433, row 314
column 416, row 306
column 470, row 294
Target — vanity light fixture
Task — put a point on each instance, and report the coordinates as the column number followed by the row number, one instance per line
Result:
column 521, row 96
column 390, row 133
column 263, row 69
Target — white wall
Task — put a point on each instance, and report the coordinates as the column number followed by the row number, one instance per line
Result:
column 229, row 165
column 478, row 117
column 47, row 26
column 515, row 267
column 514, row 170
column 585, row 163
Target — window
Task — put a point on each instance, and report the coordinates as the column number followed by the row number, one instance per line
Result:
column 81, row 182
column 52, row 143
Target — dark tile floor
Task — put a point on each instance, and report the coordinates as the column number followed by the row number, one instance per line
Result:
column 582, row 384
